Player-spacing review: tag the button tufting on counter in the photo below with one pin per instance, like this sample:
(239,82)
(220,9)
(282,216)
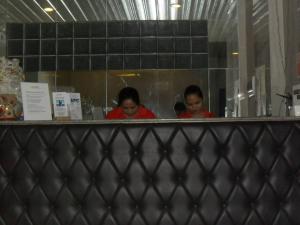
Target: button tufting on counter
(179,179)
(153,187)
(106,152)
(51,152)
(122,180)
(52,205)
(251,146)
(195,148)
(252,204)
(93,179)
(222,147)
(267,174)
(281,203)
(279,149)
(150,179)
(222,152)
(297,176)
(65,178)
(252,153)
(209,178)
(166,207)
(10,179)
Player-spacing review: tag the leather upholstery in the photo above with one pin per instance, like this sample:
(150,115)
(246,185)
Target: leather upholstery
(150,174)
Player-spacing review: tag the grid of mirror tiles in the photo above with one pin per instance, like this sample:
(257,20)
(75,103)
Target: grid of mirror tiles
(109,45)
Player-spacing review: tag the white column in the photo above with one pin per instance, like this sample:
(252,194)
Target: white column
(246,53)
(282,32)
(2,42)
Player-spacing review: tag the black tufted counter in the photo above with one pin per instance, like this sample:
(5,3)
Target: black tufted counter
(210,172)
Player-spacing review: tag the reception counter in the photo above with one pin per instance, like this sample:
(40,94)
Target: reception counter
(180,172)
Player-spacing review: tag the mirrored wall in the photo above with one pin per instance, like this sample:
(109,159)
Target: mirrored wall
(97,47)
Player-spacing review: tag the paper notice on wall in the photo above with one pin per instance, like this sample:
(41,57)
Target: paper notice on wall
(61,102)
(36,101)
(75,106)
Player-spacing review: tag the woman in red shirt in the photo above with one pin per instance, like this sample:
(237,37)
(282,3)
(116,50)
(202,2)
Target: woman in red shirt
(194,99)
(129,106)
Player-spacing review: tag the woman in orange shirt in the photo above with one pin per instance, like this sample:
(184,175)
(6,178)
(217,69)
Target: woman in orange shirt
(129,106)
(194,99)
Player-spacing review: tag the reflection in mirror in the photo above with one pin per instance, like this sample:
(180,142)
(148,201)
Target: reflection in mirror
(158,33)
(159,89)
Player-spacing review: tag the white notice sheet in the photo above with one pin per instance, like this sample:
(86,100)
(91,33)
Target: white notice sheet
(36,101)
(75,106)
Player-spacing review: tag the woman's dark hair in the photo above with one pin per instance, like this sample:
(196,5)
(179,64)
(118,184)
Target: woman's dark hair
(179,108)
(193,90)
(128,93)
